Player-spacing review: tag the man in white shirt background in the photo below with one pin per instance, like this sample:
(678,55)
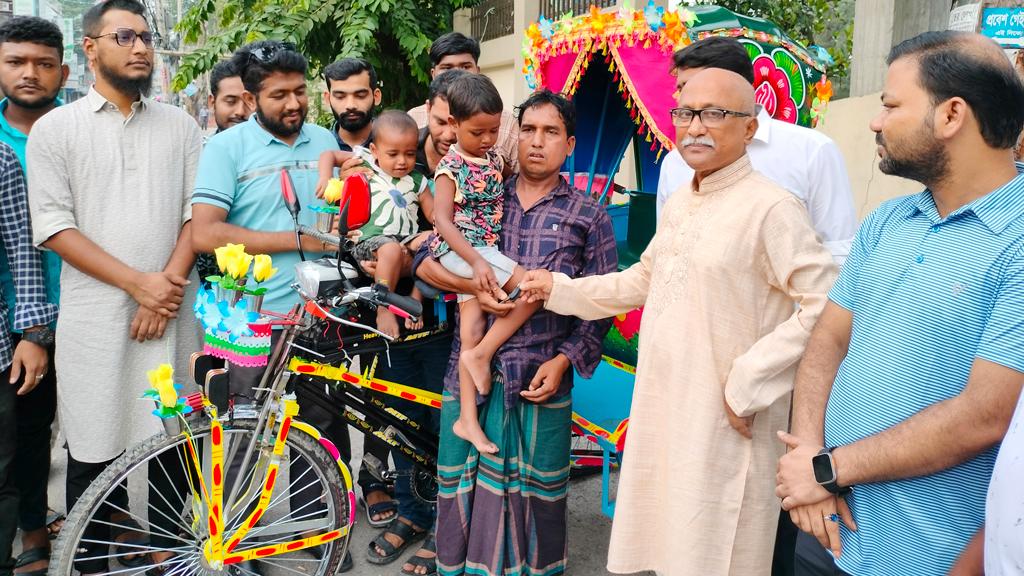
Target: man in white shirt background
(803,161)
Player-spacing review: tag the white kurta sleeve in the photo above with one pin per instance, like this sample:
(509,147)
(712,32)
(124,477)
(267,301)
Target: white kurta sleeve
(193,150)
(796,263)
(595,297)
(830,201)
(50,202)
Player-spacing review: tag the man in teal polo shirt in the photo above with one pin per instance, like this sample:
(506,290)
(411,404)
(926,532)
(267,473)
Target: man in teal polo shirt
(237,196)
(32,73)
(911,375)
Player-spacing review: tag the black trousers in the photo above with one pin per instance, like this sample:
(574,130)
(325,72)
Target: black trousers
(421,366)
(166,481)
(785,546)
(8,490)
(36,411)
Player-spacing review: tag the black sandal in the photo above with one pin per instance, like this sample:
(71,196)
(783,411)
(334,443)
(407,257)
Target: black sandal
(129,546)
(32,556)
(407,533)
(430,545)
(54,522)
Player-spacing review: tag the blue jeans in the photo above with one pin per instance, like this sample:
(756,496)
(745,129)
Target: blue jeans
(421,365)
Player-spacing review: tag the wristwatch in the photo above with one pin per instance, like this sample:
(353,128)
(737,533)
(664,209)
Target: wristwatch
(825,472)
(41,335)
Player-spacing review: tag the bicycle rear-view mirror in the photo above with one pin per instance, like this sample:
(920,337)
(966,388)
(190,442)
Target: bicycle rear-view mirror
(354,203)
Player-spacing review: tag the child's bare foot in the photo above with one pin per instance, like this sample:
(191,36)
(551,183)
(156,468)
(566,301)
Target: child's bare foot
(479,368)
(418,324)
(387,322)
(472,432)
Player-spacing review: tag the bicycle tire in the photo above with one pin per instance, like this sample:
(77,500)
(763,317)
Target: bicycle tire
(338,489)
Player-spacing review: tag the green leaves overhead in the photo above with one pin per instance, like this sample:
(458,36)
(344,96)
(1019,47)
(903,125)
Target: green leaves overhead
(393,35)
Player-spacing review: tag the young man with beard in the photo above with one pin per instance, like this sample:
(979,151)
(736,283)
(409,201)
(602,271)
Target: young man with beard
(456,51)
(227,101)
(110,177)
(31,75)
(910,378)
(237,195)
(438,135)
(352,94)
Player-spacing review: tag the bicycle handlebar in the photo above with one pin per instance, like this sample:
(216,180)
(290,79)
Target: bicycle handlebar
(325,238)
(410,306)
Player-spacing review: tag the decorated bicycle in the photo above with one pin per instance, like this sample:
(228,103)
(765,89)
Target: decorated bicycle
(616,65)
(229,483)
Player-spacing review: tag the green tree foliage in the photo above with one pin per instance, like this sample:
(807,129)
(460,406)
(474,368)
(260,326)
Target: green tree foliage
(393,35)
(827,23)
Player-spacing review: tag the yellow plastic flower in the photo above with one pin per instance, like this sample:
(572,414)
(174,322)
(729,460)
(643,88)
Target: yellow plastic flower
(225,254)
(262,268)
(162,380)
(333,191)
(238,265)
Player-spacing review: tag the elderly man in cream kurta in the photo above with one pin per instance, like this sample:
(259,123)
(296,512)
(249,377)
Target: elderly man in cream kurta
(732,284)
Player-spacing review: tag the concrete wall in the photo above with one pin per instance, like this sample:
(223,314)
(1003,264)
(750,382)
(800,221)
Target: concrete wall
(847,123)
(881,24)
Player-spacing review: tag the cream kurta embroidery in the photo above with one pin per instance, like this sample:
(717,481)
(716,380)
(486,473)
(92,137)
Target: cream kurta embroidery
(719,281)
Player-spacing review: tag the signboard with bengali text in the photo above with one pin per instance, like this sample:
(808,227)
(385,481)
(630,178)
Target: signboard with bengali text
(1004,25)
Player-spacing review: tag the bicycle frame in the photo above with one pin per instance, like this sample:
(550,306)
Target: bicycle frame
(400,432)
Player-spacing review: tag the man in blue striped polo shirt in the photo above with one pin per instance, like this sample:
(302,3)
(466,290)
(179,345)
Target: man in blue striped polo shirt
(913,371)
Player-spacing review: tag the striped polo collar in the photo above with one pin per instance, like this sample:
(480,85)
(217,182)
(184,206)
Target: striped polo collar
(996,210)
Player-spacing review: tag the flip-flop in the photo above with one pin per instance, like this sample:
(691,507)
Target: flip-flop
(53,517)
(391,552)
(419,562)
(379,509)
(128,526)
(31,556)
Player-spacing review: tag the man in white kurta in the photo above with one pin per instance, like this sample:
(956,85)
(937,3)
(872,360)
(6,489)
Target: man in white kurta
(110,178)
(735,267)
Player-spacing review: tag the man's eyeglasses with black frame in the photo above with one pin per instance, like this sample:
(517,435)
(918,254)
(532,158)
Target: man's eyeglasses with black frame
(708,116)
(126,37)
(266,54)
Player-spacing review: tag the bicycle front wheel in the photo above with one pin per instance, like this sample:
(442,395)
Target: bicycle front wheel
(147,512)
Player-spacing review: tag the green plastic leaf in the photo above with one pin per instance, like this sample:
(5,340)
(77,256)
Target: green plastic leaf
(795,72)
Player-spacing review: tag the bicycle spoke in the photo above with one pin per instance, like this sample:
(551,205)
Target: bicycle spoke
(142,569)
(133,529)
(269,560)
(291,513)
(135,552)
(178,522)
(197,511)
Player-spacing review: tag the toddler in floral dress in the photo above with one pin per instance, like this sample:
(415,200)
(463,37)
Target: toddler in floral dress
(468,202)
